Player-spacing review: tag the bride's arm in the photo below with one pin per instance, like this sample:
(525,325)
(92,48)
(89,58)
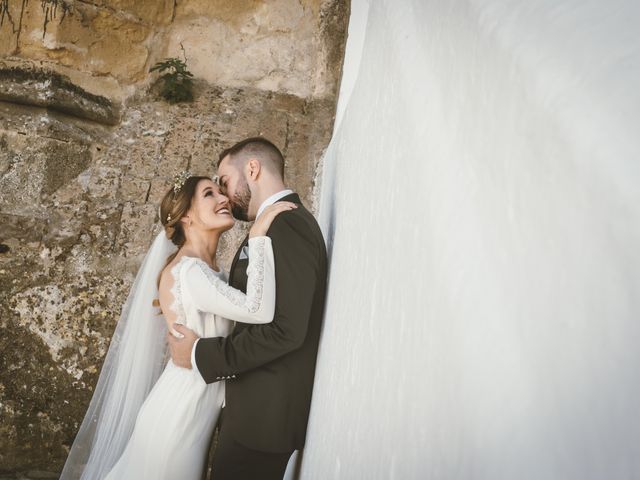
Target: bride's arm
(210,293)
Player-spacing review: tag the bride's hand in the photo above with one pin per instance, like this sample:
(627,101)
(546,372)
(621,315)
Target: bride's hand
(263,222)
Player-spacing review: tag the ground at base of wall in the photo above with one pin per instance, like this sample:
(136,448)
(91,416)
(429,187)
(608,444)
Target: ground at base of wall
(30,475)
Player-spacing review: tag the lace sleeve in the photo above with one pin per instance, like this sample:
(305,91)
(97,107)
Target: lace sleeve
(211,294)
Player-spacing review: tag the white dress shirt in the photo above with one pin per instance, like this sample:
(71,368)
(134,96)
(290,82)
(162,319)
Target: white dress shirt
(273,199)
(269,201)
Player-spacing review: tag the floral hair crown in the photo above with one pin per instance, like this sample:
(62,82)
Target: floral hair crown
(180,179)
(178,182)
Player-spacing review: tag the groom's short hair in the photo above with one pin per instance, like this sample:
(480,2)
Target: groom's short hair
(269,155)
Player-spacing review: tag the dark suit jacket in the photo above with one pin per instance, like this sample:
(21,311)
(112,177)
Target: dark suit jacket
(267,402)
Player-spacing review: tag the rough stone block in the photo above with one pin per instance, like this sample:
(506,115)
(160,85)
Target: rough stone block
(46,88)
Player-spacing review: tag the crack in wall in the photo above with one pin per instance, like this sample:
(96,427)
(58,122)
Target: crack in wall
(17,49)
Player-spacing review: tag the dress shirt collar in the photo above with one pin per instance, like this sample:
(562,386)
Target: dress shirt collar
(273,199)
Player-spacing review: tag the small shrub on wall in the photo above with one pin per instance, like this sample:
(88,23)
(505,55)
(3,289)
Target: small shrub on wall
(176,83)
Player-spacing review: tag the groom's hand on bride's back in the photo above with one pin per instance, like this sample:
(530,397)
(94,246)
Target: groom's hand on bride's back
(181,347)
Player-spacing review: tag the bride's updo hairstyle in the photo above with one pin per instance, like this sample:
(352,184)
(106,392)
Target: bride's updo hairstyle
(175,205)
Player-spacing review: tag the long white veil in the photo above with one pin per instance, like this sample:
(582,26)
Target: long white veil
(133,364)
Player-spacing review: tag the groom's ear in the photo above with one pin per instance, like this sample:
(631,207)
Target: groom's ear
(253,169)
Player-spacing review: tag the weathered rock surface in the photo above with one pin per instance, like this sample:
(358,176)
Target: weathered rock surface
(280,45)
(292,46)
(87,150)
(29,85)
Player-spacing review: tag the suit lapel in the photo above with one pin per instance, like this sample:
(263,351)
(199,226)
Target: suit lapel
(235,259)
(292,197)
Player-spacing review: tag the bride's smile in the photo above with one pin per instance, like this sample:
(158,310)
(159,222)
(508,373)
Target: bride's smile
(209,209)
(223,210)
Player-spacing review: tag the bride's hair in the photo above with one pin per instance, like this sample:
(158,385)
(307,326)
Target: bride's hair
(175,205)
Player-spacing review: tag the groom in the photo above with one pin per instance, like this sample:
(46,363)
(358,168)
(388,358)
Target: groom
(268,368)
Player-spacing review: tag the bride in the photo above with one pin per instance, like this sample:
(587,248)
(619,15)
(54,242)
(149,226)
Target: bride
(147,420)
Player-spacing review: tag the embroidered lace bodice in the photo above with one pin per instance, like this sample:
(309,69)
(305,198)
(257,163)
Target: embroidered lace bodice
(204,302)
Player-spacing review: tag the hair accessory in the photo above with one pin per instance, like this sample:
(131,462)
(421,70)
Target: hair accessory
(179,179)
(168,218)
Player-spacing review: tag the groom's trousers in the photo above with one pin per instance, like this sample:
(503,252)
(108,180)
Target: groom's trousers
(232,461)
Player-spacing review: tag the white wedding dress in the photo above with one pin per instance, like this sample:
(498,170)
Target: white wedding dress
(174,425)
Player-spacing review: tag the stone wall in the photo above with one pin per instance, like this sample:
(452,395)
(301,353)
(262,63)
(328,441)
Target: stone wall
(289,46)
(87,149)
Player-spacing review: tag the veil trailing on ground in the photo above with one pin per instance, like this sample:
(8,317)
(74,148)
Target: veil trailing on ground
(133,363)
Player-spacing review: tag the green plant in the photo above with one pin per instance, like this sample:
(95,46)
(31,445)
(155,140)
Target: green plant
(177,85)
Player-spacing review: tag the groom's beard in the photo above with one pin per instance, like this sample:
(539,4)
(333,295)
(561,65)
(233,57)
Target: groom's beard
(240,203)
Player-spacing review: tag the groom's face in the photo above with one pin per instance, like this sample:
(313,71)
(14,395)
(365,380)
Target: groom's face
(234,185)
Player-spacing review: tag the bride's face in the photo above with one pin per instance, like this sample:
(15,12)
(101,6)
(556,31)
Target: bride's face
(210,209)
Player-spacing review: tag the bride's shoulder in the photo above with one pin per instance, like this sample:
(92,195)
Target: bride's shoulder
(169,272)
(187,266)
(196,269)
